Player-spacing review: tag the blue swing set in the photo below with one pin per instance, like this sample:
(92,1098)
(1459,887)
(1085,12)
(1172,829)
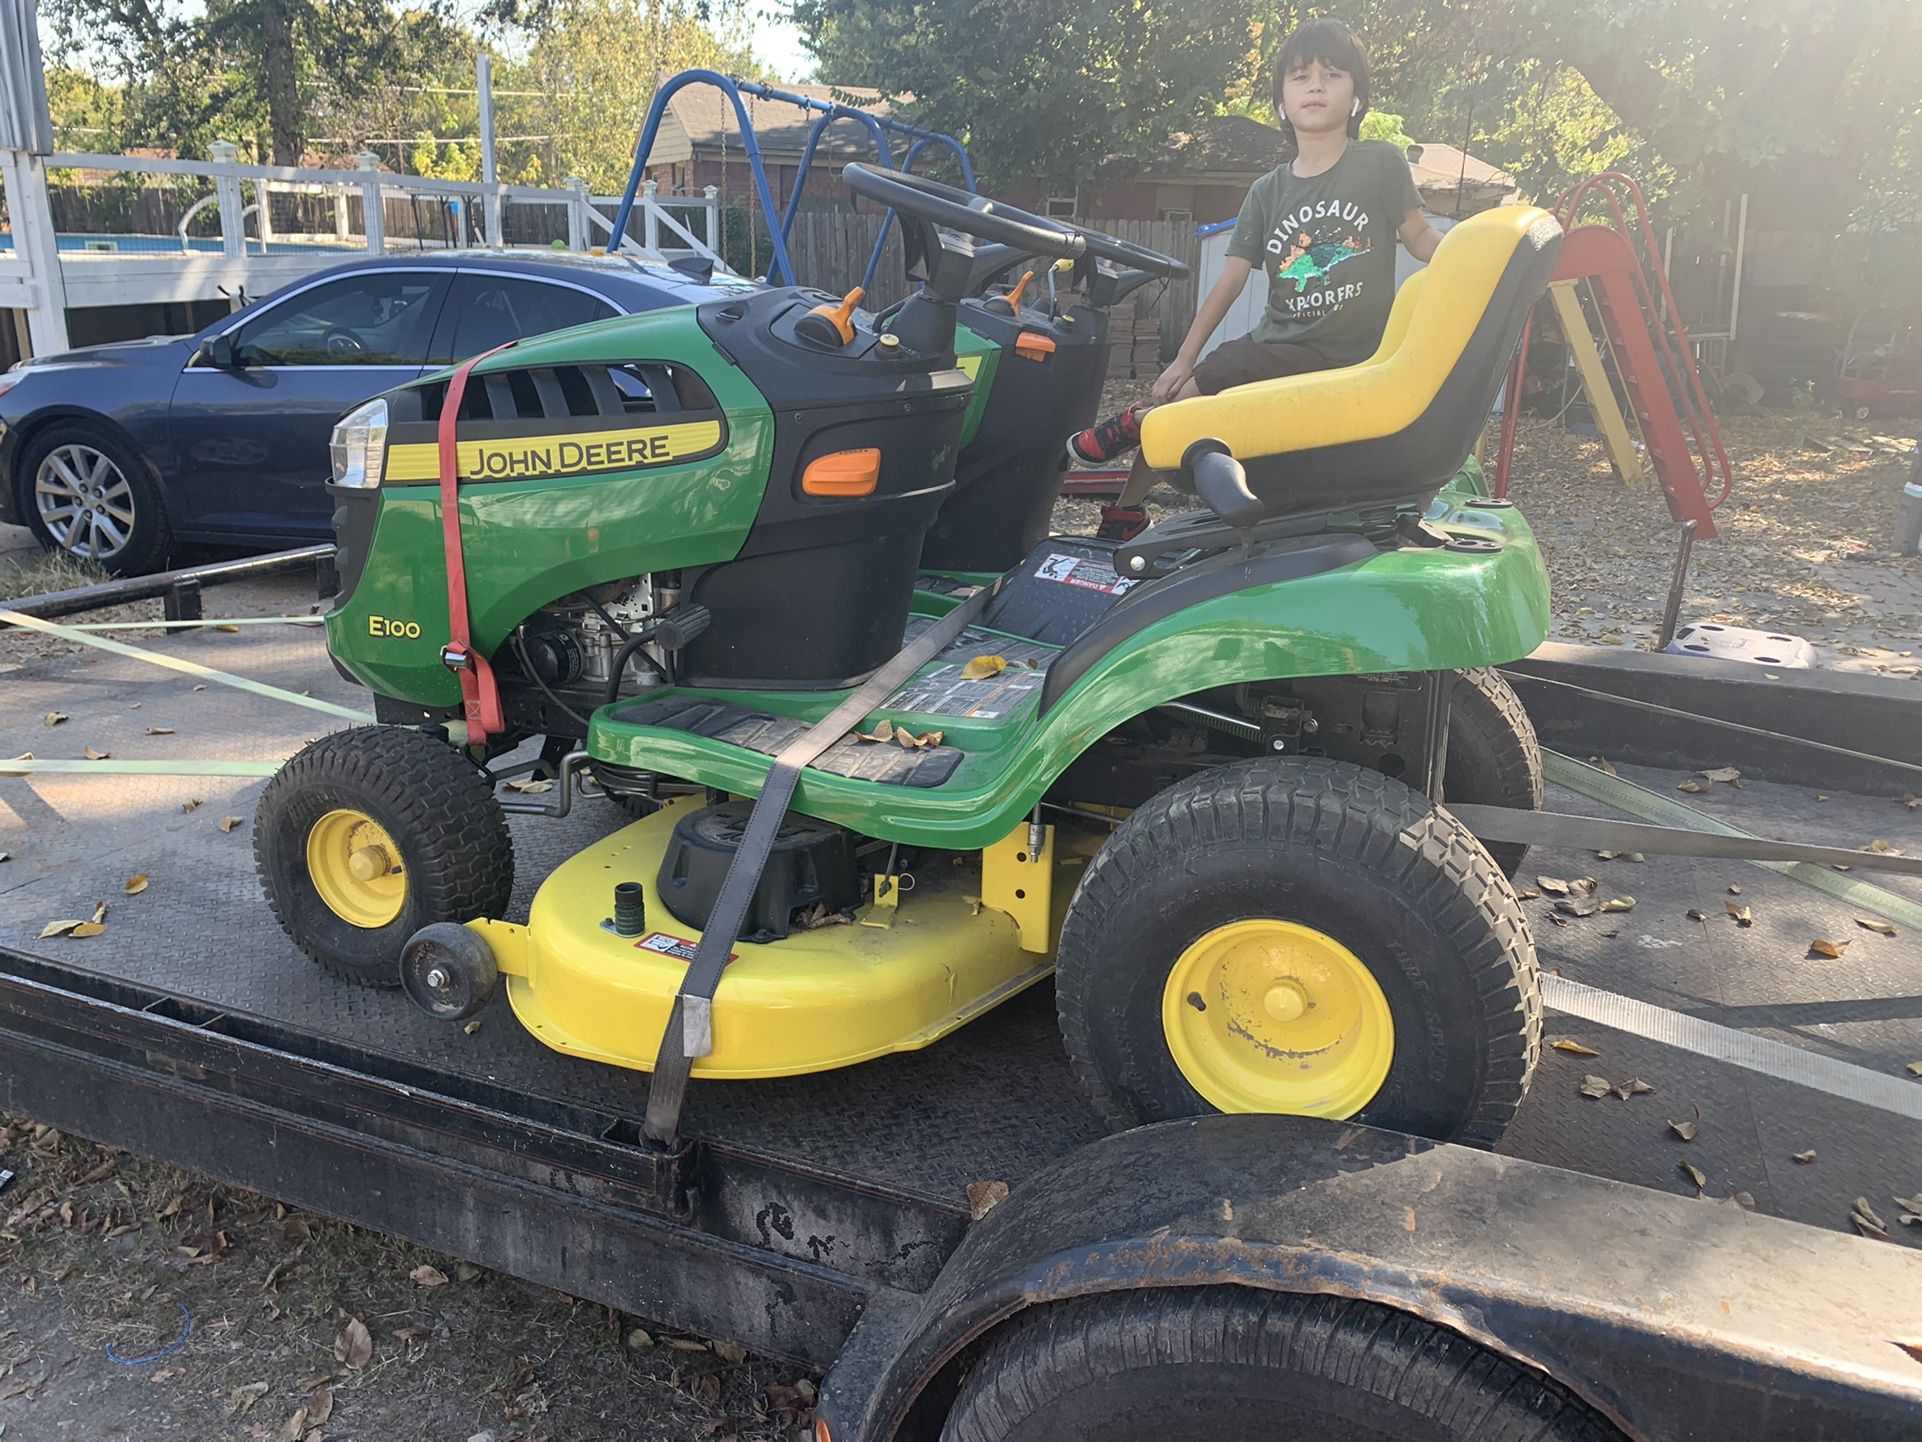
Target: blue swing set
(881,130)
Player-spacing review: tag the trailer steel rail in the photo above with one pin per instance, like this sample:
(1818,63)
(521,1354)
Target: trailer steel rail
(1673,1319)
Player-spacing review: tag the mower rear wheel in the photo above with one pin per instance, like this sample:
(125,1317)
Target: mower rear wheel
(1303,936)
(1494,758)
(372,833)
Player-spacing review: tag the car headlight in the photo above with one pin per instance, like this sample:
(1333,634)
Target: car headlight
(359,445)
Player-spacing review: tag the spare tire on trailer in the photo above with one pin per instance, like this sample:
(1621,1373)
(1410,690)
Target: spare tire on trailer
(1231,1362)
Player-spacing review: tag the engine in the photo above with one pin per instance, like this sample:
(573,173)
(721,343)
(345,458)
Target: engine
(565,653)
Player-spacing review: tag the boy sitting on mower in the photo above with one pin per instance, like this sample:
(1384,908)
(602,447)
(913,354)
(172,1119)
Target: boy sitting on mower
(1319,225)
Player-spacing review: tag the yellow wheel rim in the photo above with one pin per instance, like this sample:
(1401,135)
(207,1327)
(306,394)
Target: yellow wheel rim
(356,868)
(1273,1016)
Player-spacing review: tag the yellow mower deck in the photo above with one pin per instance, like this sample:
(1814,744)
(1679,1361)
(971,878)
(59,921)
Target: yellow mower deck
(972,932)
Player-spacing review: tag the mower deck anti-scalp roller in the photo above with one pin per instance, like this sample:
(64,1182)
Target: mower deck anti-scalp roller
(774,570)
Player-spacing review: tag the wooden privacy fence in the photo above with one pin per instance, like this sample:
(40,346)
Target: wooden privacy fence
(830,249)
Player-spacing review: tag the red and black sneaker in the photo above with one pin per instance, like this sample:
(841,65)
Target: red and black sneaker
(1121,523)
(1114,437)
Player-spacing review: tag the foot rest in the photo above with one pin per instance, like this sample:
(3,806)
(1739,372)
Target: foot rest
(877,761)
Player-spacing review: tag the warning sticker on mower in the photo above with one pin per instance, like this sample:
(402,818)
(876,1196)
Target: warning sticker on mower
(946,688)
(515,458)
(1088,572)
(678,947)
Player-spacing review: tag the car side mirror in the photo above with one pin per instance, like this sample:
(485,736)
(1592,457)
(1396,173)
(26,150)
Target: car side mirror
(219,352)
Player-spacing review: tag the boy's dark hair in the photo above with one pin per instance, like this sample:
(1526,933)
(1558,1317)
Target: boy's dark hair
(1334,45)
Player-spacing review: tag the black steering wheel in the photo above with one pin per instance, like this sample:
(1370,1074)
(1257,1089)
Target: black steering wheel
(927,207)
(1135,257)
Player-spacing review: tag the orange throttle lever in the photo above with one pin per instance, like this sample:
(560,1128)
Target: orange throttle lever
(831,324)
(1013,297)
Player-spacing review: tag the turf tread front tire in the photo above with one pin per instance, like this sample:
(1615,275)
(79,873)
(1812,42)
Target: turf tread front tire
(1102,1366)
(1314,823)
(438,807)
(1494,756)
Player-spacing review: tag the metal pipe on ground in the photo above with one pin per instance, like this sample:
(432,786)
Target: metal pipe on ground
(167,584)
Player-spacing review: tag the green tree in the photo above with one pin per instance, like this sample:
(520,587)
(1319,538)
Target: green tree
(1055,90)
(1794,100)
(592,66)
(190,75)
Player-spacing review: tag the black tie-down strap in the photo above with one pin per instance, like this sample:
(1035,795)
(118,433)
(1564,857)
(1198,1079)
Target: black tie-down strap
(690,1033)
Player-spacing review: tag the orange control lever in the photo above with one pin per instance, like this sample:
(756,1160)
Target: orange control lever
(841,316)
(1013,297)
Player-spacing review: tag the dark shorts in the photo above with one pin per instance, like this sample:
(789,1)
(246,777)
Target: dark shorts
(1246,360)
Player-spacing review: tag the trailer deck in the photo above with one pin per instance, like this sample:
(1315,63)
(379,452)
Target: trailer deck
(996,1101)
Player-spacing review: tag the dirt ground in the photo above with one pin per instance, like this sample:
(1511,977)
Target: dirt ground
(301,1329)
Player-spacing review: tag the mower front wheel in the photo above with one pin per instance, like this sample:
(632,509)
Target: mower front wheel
(1303,936)
(372,833)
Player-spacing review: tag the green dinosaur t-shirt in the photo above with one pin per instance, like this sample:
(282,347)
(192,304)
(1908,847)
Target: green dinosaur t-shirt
(1327,245)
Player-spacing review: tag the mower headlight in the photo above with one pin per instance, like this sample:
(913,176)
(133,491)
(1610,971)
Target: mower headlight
(359,445)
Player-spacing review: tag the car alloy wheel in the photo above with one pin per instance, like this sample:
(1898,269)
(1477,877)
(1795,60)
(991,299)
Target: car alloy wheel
(84,502)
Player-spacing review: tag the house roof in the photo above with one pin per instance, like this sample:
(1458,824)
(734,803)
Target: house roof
(709,120)
(1238,145)
(1443,167)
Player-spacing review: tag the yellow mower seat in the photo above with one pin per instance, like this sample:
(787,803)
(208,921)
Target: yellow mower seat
(1398,425)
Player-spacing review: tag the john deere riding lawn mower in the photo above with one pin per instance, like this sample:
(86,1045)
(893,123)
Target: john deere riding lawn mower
(1196,775)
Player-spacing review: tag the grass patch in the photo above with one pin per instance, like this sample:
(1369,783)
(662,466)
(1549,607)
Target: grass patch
(48,571)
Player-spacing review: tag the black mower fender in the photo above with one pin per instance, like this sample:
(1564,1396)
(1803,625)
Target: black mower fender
(1673,1317)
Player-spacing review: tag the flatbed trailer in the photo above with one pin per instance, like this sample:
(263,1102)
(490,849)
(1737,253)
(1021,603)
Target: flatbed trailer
(840,1221)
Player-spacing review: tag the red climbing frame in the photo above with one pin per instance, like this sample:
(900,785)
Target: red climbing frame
(1623,268)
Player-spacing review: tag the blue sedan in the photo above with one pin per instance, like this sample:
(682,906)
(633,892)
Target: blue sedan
(117,453)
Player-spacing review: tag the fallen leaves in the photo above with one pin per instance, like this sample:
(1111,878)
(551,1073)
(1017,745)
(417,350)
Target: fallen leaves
(1595,1087)
(1803,1157)
(1914,1068)
(77,926)
(984,1197)
(191,803)
(354,1347)
(160,730)
(134,885)
(640,1338)
(93,754)
(1867,1222)
(1619,903)
(426,1275)
(54,718)
(1881,848)
(1695,786)
(907,740)
(242,1399)
(1725,774)
(982,667)
(1911,1213)
(227,823)
(1741,915)
(1831,950)
(1621,856)
(1695,1174)
(531,785)
(1573,1047)
(1688,1130)
(1876,924)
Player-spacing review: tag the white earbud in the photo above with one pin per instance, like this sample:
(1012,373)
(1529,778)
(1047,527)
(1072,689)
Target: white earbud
(1357,109)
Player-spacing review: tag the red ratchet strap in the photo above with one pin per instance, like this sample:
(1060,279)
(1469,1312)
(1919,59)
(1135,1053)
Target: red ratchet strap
(480,696)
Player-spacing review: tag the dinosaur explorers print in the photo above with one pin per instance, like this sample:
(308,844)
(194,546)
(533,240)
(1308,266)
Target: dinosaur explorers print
(1327,245)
